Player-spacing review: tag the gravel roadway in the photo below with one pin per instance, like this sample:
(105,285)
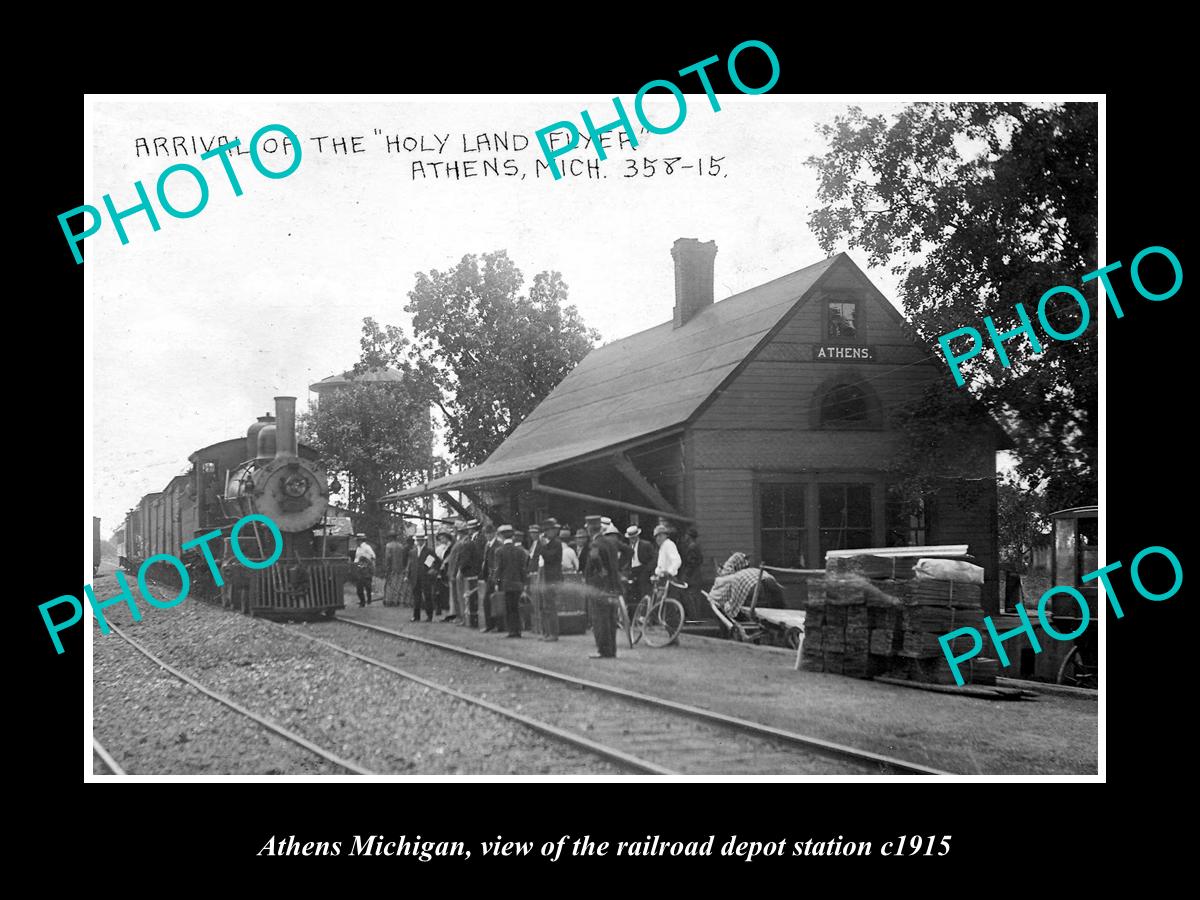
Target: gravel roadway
(365,715)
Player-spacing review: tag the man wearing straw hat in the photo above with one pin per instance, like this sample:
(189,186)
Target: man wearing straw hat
(601,571)
(421,560)
(637,564)
(469,564)
(453,565)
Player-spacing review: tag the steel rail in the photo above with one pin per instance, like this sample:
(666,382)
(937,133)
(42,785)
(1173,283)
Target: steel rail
(106,757)
(237,707)
(829,748)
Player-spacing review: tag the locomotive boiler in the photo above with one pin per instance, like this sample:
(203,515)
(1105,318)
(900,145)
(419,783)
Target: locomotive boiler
(266,473)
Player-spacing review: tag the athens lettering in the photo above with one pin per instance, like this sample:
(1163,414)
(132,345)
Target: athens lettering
(1026,627)
(596,136)
(222,152)
(185,581)
(998,338)
(835,351)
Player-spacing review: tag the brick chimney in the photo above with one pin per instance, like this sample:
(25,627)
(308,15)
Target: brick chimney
(693,277)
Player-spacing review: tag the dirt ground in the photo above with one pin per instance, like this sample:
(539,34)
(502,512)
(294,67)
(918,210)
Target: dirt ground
(1054,734)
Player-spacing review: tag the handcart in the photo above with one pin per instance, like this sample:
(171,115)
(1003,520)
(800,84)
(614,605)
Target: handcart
(751,624)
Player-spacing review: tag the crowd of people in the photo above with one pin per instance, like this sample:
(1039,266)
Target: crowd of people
(481,576)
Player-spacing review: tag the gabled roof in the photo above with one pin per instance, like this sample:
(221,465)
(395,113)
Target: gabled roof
(643,384)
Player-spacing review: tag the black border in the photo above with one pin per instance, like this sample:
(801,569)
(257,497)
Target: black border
(1147,397)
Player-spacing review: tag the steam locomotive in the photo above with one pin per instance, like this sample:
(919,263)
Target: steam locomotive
(266,472)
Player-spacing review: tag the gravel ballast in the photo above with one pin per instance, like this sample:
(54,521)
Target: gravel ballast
(152,723)
(359,712)
(675,742)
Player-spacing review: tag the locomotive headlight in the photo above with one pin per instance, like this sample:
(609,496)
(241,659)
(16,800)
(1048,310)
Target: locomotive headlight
(295,486)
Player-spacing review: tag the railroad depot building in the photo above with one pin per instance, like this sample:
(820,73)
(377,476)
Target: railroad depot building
(763,420)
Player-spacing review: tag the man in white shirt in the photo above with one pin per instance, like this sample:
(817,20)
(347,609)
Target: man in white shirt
(570,559)
(669,560)
(364,559)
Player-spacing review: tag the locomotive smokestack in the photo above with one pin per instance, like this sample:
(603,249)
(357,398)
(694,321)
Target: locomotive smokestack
(285,427)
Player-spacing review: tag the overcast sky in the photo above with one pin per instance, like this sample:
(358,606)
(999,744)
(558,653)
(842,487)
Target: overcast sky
(199,325)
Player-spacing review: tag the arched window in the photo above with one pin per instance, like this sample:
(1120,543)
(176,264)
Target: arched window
(844,405)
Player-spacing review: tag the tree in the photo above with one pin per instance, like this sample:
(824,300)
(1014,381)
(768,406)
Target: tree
(978,206)
(941,446)
(379,433)
(1022,515)
(491,352)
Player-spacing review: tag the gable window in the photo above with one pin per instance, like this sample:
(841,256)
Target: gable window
(844,515)
(783,536)
(843,321)
(844,405)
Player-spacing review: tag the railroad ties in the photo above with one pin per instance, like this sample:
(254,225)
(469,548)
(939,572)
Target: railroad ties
(645,733)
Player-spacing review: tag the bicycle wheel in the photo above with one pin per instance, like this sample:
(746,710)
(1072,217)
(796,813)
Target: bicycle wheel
(623,621)
(664,623)
(638,625)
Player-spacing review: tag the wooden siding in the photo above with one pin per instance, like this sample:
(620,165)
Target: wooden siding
(776,388)
(764,425)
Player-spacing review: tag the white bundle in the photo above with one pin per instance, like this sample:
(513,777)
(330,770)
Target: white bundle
(948,570)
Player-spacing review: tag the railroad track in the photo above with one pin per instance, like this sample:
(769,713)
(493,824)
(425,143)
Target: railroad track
(106,760)
(262,721)
(645,733)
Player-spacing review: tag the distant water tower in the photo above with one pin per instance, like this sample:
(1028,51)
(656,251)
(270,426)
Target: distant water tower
(378,375)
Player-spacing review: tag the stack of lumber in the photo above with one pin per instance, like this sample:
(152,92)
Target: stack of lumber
(932,609)
(850,627)
(876,616)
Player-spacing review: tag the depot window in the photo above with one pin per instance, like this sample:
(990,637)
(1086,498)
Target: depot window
(906,519)
(844,406)
(783,534)
(844,516)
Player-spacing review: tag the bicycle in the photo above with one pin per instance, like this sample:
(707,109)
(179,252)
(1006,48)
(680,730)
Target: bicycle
(623,621)
(658,618)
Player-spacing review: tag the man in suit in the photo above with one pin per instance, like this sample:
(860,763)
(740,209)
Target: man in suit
(601,571)
(453,564)
(393,569)
(422,565)
(512,565)
(489,579)
(552,576)
(469,563)
(637,565)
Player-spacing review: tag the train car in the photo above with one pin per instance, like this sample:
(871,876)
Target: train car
(269,473)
